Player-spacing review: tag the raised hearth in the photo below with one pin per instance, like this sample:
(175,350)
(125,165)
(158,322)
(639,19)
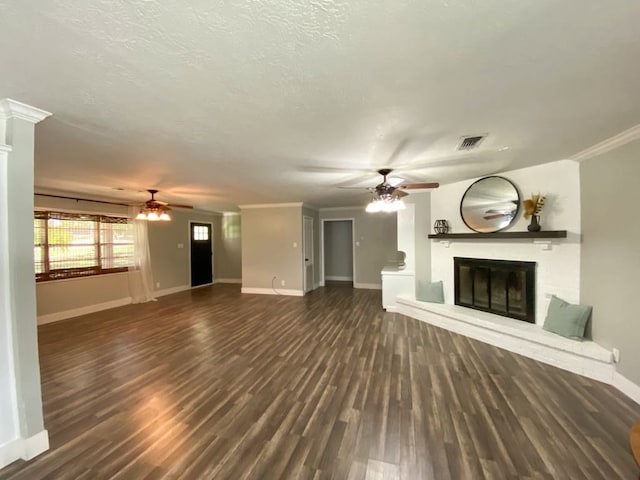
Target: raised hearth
(503,287)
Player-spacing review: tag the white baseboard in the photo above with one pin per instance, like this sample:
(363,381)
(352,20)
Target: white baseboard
(338,278)
(270,291)
(227,280)
(368,286)
(627,387)
(76,312)
(24,448)
(169,291)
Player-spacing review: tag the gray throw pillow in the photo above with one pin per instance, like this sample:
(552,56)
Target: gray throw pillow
(430,291)
(567,319)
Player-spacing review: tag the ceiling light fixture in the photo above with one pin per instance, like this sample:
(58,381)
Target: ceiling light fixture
(154,214)
(385,203)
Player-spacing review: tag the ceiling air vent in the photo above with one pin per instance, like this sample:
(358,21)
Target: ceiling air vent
(471,142)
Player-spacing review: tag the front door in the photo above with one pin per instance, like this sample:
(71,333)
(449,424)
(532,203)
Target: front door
(201,254)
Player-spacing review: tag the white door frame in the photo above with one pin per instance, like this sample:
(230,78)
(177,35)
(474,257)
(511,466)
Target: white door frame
(353,246)
(213,276)
(305,288)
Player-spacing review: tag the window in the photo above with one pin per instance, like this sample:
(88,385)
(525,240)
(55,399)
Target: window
(68,245)
(200,232)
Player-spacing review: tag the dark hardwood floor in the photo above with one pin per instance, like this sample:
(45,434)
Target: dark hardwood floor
(212,384)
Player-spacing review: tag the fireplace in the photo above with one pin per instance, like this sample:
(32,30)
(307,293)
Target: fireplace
(503,287)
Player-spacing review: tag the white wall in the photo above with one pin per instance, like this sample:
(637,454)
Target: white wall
(272,247)
(558,269)
(610,252)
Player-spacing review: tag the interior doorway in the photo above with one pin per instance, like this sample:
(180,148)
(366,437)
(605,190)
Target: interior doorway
(307,244)
(201,253)
(338,266)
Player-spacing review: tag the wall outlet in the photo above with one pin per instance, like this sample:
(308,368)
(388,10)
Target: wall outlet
(181,245)
(282,283)
(157,284)
(616,355)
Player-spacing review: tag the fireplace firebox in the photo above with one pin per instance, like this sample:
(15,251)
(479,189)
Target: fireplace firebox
(503,287)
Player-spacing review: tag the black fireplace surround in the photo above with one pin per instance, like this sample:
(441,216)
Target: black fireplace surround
(503,287)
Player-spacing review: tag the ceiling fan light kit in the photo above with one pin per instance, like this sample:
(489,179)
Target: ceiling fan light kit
(387,196)
(154,214)
(154,210)
(392,204)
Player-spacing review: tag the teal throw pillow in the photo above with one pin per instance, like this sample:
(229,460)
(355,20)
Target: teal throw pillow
(430,291)
(567,319)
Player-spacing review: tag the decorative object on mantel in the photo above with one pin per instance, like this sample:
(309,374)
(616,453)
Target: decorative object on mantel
(532,208)
(441,227)
(490,204)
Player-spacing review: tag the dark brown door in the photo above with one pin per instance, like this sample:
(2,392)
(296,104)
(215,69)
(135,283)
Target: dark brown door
(201,253)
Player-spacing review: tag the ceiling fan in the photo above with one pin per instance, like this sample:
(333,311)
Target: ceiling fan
(155,210)
(387,196)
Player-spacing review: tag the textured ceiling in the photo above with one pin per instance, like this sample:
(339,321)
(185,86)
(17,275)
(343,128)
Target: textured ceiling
(239,102)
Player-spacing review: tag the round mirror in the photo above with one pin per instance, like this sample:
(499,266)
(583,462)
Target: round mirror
(490,204)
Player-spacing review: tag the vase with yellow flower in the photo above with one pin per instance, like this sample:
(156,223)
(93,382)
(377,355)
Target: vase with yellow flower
(532,208)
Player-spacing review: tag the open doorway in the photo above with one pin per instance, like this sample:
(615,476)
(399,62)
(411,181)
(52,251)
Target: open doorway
(307,244)
(337,252)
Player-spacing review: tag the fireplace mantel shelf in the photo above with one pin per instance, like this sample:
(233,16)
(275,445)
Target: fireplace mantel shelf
(500,235)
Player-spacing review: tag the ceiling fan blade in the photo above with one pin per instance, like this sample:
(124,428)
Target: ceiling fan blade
(177,205)
(410,186)
(400,193)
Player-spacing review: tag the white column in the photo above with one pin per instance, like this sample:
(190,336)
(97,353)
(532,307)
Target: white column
(22,433)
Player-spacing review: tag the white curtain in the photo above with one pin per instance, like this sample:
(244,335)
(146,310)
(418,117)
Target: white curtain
(140,275)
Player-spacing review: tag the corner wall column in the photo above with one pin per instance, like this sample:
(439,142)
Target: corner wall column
(22,433)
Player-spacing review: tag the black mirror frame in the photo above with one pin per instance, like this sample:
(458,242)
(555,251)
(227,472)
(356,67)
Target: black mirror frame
(515,215)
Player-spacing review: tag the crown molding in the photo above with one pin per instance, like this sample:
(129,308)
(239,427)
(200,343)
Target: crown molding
(609,144)
(230,214)
(14,109)
(271,205)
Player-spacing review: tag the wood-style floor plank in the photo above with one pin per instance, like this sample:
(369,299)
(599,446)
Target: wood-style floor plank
(212,384)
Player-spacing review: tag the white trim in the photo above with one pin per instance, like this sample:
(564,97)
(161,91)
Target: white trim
(336,209)
(609,144)
(14,109)
(231,214)
(271,205)
(76,312)
(172,290)
(368,286)
(227,280)
(5,148)
(6,310)
(627,387)
(271,291)
(584,358)
(24,448)
(305,218)
(338,278)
